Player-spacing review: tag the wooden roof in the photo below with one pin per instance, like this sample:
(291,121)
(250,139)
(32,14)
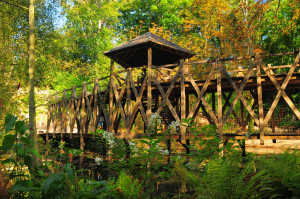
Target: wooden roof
(135,52)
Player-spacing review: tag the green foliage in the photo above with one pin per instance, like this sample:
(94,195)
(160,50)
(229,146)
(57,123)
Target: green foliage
(226,178)
(66,184)
(125,187)
(284,172)
(166,14)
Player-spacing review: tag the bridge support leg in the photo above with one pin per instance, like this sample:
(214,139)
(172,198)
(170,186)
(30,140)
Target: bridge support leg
(149,88)
(260,106)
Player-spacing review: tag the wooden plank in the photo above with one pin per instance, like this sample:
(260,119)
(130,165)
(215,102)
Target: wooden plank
(149,88)
(182,103)
(260,105)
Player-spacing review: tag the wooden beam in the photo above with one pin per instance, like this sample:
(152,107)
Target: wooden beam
(48,125)
(82,115)
(149,88)
(281,91)
(103,104)
(95,107)
(260,105)
(138,97)
(73,110)
(118,104)
(56,109)
(239,93)
(166,100)
(111,97)
(182,102)
(219,94)
(200,96)
(128,105)
(118,101)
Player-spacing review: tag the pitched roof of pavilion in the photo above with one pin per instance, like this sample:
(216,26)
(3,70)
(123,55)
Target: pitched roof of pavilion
(135,52)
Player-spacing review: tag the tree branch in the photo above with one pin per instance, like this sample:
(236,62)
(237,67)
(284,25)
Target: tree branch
(14,4)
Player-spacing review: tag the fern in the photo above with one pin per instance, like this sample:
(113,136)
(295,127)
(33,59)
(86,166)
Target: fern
(127,187)
(284,172)
(225,178)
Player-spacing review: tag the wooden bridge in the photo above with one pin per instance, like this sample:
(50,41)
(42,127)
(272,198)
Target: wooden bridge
(156,77)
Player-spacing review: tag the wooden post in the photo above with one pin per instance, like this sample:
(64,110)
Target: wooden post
(56,109)
(182,103)
(64,115)
(128,128)
(48,127)
(219,94)
(73,111)
(82,124)
(149,89)
(260,105)
(95,107)
(111,97)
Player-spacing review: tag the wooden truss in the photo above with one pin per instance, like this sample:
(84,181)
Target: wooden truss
(124,98)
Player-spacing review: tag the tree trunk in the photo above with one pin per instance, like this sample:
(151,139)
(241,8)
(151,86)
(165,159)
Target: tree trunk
(32,114)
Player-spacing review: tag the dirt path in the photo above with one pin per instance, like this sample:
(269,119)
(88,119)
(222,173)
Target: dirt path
(253,146)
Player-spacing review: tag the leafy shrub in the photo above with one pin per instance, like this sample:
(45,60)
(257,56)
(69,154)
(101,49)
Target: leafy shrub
(284,174)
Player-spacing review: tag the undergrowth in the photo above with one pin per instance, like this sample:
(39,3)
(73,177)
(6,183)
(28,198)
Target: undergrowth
(211,170)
